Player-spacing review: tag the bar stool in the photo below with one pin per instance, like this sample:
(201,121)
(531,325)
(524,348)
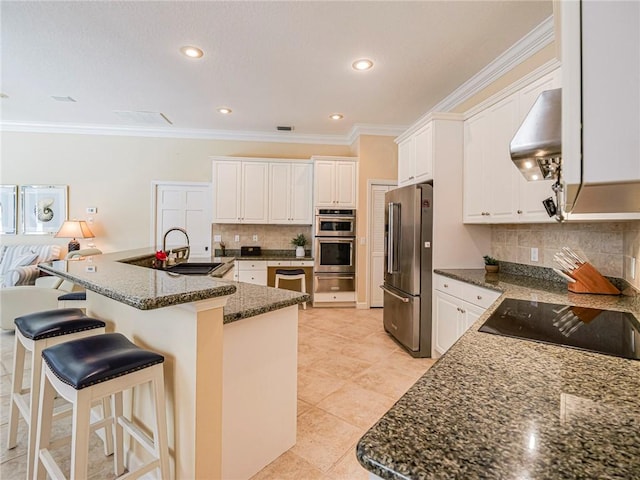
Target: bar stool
(34,333)
(85,370)
(77,299)
(293,274)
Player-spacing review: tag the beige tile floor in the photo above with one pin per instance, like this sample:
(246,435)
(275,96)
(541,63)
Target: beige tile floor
(349,374)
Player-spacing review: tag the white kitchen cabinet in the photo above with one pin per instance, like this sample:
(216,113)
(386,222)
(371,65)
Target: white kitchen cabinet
(252,271)
(415,157)
(240,192)
(335,182)
(290,191)
(494,190)
(457,305)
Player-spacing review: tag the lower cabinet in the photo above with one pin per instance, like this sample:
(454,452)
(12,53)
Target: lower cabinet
(457,305)
(262,272)
(252,271)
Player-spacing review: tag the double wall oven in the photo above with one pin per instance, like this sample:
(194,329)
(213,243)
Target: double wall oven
(335,251)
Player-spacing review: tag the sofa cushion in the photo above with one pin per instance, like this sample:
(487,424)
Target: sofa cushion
(26,275)
(12,255)
(24,260)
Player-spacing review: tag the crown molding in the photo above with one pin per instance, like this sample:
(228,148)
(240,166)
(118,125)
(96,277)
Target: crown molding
(370,129)
(28,127)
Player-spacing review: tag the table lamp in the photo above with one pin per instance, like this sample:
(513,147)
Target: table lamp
(74,229)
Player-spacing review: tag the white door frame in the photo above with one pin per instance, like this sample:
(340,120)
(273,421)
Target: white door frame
(154,197)
(370,183)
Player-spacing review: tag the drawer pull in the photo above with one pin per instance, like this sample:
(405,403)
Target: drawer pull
(446,285)
(479,297)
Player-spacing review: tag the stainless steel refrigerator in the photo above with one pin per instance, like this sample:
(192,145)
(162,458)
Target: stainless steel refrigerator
(408,264)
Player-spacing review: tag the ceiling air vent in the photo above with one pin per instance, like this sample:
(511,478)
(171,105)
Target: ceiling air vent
(143,118)
(63,99)
(284,128)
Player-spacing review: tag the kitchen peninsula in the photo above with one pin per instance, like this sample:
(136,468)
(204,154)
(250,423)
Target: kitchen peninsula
(230,358)
(501,407)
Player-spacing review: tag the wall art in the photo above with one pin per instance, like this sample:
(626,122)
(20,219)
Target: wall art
(8,209)
(44,208)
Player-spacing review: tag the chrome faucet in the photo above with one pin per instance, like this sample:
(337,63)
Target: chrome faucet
(164,240)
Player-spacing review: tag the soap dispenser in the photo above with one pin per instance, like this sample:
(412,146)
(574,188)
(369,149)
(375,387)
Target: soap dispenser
(171,259)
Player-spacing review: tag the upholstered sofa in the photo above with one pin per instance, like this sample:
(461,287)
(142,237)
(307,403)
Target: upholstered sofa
(18,263)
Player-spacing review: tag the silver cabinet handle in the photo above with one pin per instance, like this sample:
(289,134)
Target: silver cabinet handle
(404,299)
(462,310)
(479,297)
(519,211)
(446,285)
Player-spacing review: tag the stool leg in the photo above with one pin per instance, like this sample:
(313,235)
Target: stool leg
(277,281)
(34,396)
(108,437)
(45,420)
(16,389)
(80,435)
(160,433)
(118,453)
(304,290)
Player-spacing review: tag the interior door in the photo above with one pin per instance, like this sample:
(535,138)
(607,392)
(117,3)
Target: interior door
(376,244)
(186,206)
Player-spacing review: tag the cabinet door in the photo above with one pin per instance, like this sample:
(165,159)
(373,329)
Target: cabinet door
(255,200)
(345,191)
(301,203)
(448,317)
(501,177)
(424,154)
(471,313)
(279,193)
(226,186)
(476,131)
(325,180)
(406,161)
(258,277)
(531,194)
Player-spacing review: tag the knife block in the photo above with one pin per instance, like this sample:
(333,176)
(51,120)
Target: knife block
(589,280)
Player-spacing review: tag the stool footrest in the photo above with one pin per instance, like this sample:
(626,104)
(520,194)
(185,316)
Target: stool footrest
(149,467)
(53,470)
(141,437)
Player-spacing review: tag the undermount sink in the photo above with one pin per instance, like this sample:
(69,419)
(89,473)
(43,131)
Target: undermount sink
(195,268)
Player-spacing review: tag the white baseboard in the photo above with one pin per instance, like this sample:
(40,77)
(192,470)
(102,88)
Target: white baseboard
(362,305)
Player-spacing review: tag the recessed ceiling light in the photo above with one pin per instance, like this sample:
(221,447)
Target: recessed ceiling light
(362,64)
(4,95)
(224,110)
(193,52)
(336,116)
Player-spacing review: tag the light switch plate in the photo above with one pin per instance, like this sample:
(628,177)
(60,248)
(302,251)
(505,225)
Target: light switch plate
(255,238)
(92,210)
(217,238)
(534,254)
(236,238)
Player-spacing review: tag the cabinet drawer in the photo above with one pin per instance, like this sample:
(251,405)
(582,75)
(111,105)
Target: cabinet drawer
(479,296)
(244,265)
(448,285)
(334,297)
(302,263)
(253,276)
(279,263)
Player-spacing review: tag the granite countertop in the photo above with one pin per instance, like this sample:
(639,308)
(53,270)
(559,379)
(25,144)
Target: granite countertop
(146,288)
(505,408)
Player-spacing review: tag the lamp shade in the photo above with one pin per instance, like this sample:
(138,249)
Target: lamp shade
(75,229)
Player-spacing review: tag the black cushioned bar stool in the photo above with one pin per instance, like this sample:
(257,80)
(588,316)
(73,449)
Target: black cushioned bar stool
(34,333)
(293,274)
(83,371)
(73,299)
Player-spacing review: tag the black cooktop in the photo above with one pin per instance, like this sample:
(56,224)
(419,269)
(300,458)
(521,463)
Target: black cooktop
(601,331)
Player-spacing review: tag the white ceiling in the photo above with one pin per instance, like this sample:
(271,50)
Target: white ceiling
(273,63)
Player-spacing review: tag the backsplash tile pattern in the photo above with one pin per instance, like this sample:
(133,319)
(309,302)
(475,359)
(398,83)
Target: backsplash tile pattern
(609,246)
(270,237)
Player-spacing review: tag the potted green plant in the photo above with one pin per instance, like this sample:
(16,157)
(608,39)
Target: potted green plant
(490,264)
(299,241)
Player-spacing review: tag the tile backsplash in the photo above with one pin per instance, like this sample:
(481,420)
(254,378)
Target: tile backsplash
(270,237)
(609,246)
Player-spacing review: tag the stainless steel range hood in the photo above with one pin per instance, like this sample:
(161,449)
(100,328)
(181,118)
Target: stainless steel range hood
(536,147)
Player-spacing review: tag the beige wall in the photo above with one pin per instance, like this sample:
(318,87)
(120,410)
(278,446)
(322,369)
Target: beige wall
(114,174)
(609,246)
(378,161)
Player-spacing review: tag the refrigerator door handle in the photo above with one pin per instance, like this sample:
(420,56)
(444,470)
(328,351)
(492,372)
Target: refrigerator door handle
(391,240)
(404,299)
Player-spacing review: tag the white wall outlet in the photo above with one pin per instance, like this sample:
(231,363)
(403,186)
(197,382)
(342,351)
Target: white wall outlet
(632,268)
(534,254)
(92,210)
(236,238)
(217,238)
(89,219)
(90,269)
(255,238)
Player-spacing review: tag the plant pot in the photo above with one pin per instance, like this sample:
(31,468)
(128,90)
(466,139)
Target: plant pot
(491,268)
(300,251)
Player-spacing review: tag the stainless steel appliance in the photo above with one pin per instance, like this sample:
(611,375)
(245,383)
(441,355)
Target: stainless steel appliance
(408,263)
(332,222)
(335,253)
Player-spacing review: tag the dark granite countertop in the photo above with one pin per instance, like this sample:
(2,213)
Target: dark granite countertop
(495,407)
(116,276)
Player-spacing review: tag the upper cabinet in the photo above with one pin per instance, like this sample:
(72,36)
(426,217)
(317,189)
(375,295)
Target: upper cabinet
(261,191)
(494,189)
(415,157)
(335,181)
(290,191)
(600,49)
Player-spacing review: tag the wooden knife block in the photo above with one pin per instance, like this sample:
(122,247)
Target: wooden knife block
(589,280)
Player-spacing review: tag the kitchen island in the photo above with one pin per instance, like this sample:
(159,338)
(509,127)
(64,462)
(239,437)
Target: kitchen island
(230,359)
(506,408)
